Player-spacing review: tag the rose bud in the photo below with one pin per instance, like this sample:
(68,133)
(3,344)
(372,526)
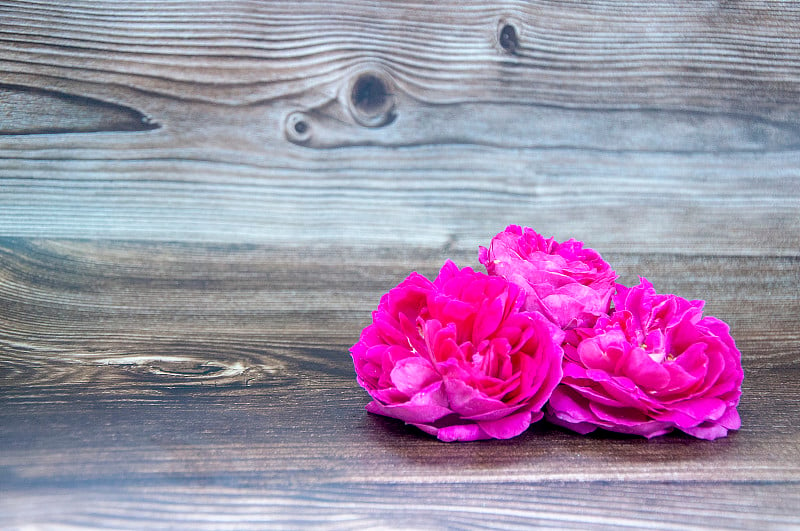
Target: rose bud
(656,364)
(457,357)
(569,284)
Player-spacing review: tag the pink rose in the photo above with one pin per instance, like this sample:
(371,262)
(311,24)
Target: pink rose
(457,357)
(654,365)
(569,284)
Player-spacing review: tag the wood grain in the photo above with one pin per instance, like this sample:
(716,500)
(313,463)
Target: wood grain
(669,128)
(201,203)
(30,111)
(143,380)
(560,505)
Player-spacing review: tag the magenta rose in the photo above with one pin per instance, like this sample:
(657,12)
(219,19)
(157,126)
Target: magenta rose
(569,284)
(654,365)
(457,357)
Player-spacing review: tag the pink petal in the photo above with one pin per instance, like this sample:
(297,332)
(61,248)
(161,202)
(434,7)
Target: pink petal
(487,320)
(410,375)
(510,426)
(468,401)
(595,392)
(456,432)
(646,372)
(579,427)
(618,416)
(691,413)
(427,406)
(623,390)
(448,271)
(594,355)
(564,308)
(646,429)
(730,419)
(680,383)
(708,431)
(570,407)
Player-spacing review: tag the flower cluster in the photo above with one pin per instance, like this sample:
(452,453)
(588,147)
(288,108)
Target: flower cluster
(546,332)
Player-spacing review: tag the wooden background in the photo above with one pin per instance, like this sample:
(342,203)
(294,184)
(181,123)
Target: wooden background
(201,203)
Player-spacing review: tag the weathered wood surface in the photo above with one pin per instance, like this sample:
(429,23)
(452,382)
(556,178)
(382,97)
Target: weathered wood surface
(201,203)
(643,126)
(209,386)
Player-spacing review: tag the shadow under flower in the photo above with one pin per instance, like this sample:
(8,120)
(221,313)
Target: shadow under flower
(546,451)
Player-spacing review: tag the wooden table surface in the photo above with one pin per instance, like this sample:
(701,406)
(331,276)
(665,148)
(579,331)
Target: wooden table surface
(202,202)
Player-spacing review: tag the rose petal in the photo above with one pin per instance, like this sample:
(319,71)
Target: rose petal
(618,416)
(647,429)
(487,320)
(730,419)
(468,401)
(643,370)
(593,354)
(579,427)
(691,413)
(427,406)
(510,426)
(569,406)
(410,375)
(456,432)
(708,431)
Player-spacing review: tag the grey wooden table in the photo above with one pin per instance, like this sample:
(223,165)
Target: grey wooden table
(202,202)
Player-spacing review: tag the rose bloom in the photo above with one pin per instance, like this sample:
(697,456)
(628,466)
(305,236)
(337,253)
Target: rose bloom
(568,283)
(656,364)
(457,357)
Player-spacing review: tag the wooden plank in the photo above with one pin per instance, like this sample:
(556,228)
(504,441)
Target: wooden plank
(582,52)
(564,505)
(321,296)
(201,202)
(30,111)
(669,128)
(142,381)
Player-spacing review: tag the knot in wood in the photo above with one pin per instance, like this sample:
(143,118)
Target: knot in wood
(508,38)
(370,99)
(297,128)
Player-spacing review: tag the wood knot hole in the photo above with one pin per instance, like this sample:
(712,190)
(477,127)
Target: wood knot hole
(371,100)
(508,38)
(298,128)
(369,94)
